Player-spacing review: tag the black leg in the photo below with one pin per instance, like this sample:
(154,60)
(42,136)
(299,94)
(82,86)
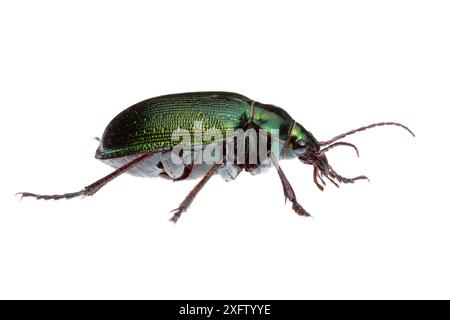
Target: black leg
(191,196)
(288,191)
(97,185)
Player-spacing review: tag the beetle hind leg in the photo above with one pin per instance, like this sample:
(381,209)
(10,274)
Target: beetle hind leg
(94,187)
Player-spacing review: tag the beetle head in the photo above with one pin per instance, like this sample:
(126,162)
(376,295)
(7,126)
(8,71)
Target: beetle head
(307,149)
(302,144)
(312,152)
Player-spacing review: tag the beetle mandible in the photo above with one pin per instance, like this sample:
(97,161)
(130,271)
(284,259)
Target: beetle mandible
(139,140)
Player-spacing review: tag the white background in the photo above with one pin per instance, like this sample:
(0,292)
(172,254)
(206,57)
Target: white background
(66,69)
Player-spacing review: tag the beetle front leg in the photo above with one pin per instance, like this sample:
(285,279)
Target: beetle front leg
(288,190)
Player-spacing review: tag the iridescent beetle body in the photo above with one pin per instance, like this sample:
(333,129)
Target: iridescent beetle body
(149,125)
(139,141)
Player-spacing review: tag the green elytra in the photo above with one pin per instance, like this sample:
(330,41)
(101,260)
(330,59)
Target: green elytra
(149,124)
(142,134)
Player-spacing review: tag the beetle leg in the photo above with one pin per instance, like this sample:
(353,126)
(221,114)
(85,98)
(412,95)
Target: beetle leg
(97,185)
(288,190)
(191,196)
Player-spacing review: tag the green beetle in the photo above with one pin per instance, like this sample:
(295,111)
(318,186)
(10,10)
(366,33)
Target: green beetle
(140,141)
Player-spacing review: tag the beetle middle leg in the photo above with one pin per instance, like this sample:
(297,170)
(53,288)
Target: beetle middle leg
(191,196)
(288,190)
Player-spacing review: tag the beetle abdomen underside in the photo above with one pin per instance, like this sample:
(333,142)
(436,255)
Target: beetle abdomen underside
(162,165)
(150,124)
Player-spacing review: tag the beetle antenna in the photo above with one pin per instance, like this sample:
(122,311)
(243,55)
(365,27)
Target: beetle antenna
(341,143)
(325,143)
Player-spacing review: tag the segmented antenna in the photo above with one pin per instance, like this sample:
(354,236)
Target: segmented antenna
(340,143)
(324,143)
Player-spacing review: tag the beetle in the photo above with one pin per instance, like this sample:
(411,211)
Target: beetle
(139,141)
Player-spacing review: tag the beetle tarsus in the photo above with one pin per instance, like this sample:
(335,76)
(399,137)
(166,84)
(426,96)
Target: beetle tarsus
(177,214)
(53,196)
(300,210)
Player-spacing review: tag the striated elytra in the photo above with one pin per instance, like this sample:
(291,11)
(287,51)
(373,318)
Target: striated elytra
(200,134)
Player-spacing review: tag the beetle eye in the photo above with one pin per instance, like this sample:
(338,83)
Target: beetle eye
(299,147)
(301,144)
